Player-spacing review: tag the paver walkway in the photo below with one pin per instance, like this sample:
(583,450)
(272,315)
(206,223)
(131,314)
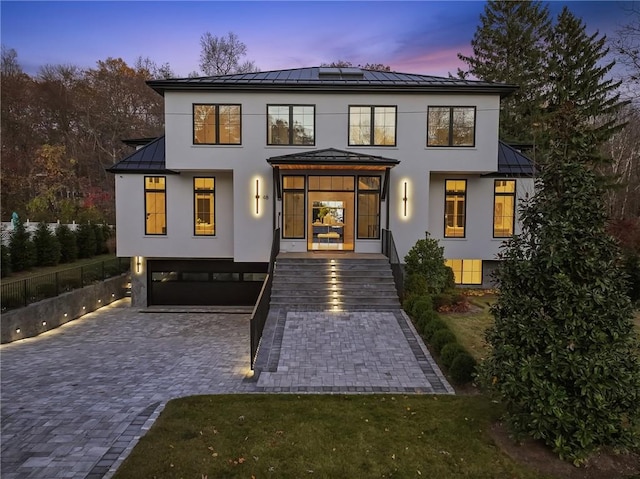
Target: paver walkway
(74,401)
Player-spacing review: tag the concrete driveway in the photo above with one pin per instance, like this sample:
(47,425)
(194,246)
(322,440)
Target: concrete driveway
(75,400)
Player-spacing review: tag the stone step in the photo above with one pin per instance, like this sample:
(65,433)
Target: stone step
(303,279)
(346,288)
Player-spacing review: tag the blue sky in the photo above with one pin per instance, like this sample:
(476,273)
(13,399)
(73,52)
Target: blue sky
(415,36)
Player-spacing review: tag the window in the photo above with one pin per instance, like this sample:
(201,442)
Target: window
(372,126)
(455,208)
(368,207)
(216,124)
(451,126)
(466,271)
(155,205)
(291,124)
(504,208)
(204,207)
(293,206)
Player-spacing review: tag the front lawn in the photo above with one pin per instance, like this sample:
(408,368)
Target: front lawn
(289,436)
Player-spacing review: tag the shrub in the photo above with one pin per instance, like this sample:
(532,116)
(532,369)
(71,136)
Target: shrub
(462,368)
(426,259)
(432,327)
(20,249)
(47,246)
(415,284)
(5,261)
(421,303)
(426,315)
(442,300)
(68,245)
(86,241)
(101,244)
(449,352)
(409,302)
(46,290)
(632,269)
(440,338)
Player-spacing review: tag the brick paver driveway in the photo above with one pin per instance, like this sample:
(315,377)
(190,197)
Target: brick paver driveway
(75,400)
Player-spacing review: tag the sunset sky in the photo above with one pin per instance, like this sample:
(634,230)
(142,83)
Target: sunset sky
(417,36)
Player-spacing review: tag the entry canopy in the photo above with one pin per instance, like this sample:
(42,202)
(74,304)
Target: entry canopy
(331,158)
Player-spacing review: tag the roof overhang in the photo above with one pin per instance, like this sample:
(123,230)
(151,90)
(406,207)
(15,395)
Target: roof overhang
(331,159)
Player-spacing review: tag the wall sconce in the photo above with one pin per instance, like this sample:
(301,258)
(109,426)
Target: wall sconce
(404,199)
(138,263)
(257,197)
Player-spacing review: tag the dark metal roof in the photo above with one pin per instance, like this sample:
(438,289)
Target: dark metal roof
(138,141)
(148,159)
(513,163)
(332,79)
(331,156)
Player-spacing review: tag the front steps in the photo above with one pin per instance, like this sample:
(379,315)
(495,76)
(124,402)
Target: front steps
(334,283)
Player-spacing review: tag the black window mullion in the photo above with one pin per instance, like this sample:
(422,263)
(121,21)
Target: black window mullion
(290,124)
(372,127)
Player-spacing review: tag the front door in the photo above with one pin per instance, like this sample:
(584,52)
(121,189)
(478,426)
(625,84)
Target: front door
(331,215)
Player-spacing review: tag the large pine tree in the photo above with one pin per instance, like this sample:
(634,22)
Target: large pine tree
(509,47)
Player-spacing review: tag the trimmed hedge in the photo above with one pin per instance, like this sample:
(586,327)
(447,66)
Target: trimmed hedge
(432,327)
(441,338)
(449,352)
(463,368)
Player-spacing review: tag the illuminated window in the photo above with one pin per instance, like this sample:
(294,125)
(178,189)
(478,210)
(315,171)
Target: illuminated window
(455,208)
(466,271)
(293,206)
(368,207)
(291,124)
(451,126)
(372,126)
(216,124)
(204,206)
(155,205)
(504,208)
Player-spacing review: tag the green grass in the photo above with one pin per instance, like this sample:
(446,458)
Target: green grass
(54,269)
(289,436)
(470,327)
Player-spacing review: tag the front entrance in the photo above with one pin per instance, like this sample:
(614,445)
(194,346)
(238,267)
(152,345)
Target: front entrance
(330,219)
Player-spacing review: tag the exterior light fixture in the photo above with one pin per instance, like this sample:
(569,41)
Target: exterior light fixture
(257,197)
(65,315)
(404,199)
(113,295)
(17,330)
(138,263)
(84,307)
(44,323)
(99,301)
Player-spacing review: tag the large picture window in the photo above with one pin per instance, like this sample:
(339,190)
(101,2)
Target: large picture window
(455,208)
(466,271)
(216,124)
(293,206)
(204,206)
(372,126)
(368,207)
(504,208)
(155,205)
(451,126)
(291,124)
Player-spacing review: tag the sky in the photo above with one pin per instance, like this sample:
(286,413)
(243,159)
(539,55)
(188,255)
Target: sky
(413,36)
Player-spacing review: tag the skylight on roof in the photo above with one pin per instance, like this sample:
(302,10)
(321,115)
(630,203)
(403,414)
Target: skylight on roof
(344,72)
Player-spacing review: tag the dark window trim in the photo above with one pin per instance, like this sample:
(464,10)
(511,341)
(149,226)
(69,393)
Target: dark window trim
(304,199)
(145,204)
(513,215)
(370,192)
(372,132)
(217,114)
(444,231)
(195,192)
(291,106)
(451,108)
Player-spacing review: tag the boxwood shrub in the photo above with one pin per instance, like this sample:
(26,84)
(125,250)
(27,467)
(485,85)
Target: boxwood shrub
(449,352)
(440,338)
(432,327)
(463,368)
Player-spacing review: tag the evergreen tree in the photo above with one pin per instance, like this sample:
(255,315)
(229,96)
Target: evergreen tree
(564,353)
(21,248)
(68,246)
(98,232)
(47,246)
(5,261)
(510,47)
(578,78)
(86,240)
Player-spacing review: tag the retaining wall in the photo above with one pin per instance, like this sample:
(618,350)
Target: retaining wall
(50,313)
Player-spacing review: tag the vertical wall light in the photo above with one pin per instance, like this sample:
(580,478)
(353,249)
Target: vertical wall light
(138,264)
(404,199)
(257,196)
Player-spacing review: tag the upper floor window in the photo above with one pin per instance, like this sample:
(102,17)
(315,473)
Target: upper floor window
(455,208)
(155,205)
(451,126)
(504,208)
(204,210)
(372,125)
(291,124)
(216,124)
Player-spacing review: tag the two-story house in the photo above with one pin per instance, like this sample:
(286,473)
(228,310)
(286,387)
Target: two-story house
(331,157)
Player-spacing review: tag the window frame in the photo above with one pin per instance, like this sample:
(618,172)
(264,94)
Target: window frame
(377,192)
(146,211)
(195,200)
(291,107)
(464,217)
(372,126)
(451,126)
(217,117)
(304,206)
(496,194)
(462,270)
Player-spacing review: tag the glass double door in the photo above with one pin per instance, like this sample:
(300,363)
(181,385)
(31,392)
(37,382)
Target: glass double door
(330,220)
